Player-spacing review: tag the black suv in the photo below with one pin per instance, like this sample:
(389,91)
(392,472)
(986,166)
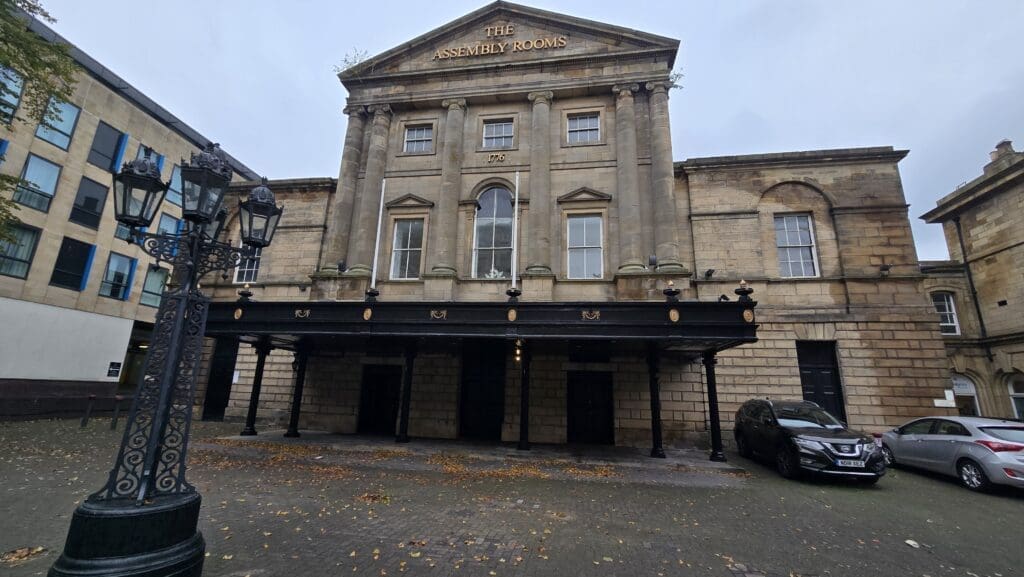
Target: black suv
(801,436)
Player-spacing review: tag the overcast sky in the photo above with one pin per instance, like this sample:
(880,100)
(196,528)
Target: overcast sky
(943,79)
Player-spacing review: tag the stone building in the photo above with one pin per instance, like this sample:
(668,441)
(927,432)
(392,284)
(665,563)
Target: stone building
(535,236)
(979,292)
(77,300)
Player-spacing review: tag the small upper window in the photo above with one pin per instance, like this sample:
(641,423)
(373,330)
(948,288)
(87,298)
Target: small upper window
(10,94)
(42,176)
(794,240)
(59,124)
(107,146)
(407,249)
(173,195)
(249,269)
(117,280)
(88,207)
(419,138)
(71,271)
(948,322)
(16,254)
(492,244)
(585,247)
(498,133)
(584,127)
(153,287)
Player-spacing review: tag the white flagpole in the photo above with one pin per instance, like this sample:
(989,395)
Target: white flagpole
(515,233)
(376,243)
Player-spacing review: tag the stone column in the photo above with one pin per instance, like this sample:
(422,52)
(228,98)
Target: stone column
(442,230)
(360,252)
(666,228)
(627,174)
(539,246)
(340,227)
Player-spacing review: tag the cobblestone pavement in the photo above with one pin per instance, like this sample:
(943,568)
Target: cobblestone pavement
(331,505)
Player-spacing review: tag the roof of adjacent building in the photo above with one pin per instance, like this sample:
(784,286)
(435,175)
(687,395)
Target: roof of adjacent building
(1005,168)
(866,154)
(134,95)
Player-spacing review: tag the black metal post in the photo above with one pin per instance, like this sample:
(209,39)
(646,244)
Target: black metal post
(263,348)
(717,454)
(301,357)
(88,411)
(117,411)
(524,398)
(403,415)
(653,366)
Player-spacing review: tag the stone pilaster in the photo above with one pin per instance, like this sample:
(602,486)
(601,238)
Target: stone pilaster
(539,245)
(360,252)
(340,226)
(631,258)
(666,227)
(442,230)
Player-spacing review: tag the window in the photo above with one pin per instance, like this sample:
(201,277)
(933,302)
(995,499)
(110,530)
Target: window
(794,239)
(249,269)
(584,127)
(419,139)
(107,147)
(73,262)
(407,249)
(16,255)
(121,232)
(586,258)
(948,324)
(88,207)
(42,176)
(153,287)
(492,246)
(58,130)
(1016,385)
(922,427)
(173,195)
(966,396)
(10,94)
(951,428)
(498,133)
(117,280)
(168,225)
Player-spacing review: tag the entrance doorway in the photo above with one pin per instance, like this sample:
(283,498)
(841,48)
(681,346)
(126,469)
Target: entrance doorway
(378,399)
(819,376)
(482,399)
(590,408)
(222,374)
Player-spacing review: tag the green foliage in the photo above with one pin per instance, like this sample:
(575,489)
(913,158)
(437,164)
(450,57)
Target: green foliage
(46,69)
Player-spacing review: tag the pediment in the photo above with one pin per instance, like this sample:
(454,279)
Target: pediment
(409,201)
(584,194)
(503,33)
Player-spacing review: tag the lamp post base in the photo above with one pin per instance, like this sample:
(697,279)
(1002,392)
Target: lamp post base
(116,538)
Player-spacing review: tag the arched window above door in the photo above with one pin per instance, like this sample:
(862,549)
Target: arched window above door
(492,238)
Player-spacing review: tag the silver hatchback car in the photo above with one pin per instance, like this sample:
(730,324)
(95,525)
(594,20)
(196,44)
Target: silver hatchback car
(976,450)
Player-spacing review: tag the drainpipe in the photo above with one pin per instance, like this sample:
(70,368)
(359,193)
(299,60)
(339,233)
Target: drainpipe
(970,283)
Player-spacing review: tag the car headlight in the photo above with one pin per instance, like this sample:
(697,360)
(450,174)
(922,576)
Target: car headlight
(869,447)
(808,444)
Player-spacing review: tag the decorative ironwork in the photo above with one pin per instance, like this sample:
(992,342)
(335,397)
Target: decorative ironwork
(439,314)
(594,315)
(302,313)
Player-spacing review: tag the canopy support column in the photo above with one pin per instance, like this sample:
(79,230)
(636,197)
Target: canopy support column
(717,454)
(263,348)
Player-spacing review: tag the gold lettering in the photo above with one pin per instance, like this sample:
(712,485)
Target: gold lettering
(489,30)
(517,45)
(562,41)
(510,30)
(549,43)
(501,46)
(437,55)
(462,51)
(473,50)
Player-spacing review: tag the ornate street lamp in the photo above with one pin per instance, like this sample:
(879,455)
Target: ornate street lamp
(144,520)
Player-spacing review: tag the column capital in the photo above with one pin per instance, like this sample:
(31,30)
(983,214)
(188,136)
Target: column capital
(542,97)
(623,90)
(379,109)
(454,103)
(356,110)
(658,87)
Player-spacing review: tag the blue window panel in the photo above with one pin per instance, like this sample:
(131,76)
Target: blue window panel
(122,144)
(58,131)
(173,195)
(160,162)
(3,150)
(88,267)
(131,279)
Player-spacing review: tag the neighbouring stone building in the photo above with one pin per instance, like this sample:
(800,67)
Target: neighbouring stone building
(77,300)
(567,120)
(979,292)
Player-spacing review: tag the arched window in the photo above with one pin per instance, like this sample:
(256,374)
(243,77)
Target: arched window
(1016,385)
(966,395)
(948,323)
(492,244)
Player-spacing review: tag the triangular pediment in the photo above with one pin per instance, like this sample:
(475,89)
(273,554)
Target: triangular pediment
(503,33)
(584,194)
(409,200)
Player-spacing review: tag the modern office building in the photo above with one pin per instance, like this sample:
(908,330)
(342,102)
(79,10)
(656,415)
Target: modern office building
(77,300)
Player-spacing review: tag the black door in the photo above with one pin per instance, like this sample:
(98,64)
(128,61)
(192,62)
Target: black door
(222,373)
(591,416)
(819,376)
(482,403)
(379,398)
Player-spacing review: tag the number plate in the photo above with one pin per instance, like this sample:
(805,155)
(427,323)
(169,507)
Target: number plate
(849,463)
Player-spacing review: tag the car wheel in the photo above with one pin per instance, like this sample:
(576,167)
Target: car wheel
(890,459)
(786,462)
(972,475)
(742,447)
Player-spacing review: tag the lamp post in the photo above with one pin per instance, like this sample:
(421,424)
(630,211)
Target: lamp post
(143,522)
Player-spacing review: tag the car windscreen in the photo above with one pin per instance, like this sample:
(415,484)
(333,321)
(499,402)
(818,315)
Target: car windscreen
(806,417)
(1013,434)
